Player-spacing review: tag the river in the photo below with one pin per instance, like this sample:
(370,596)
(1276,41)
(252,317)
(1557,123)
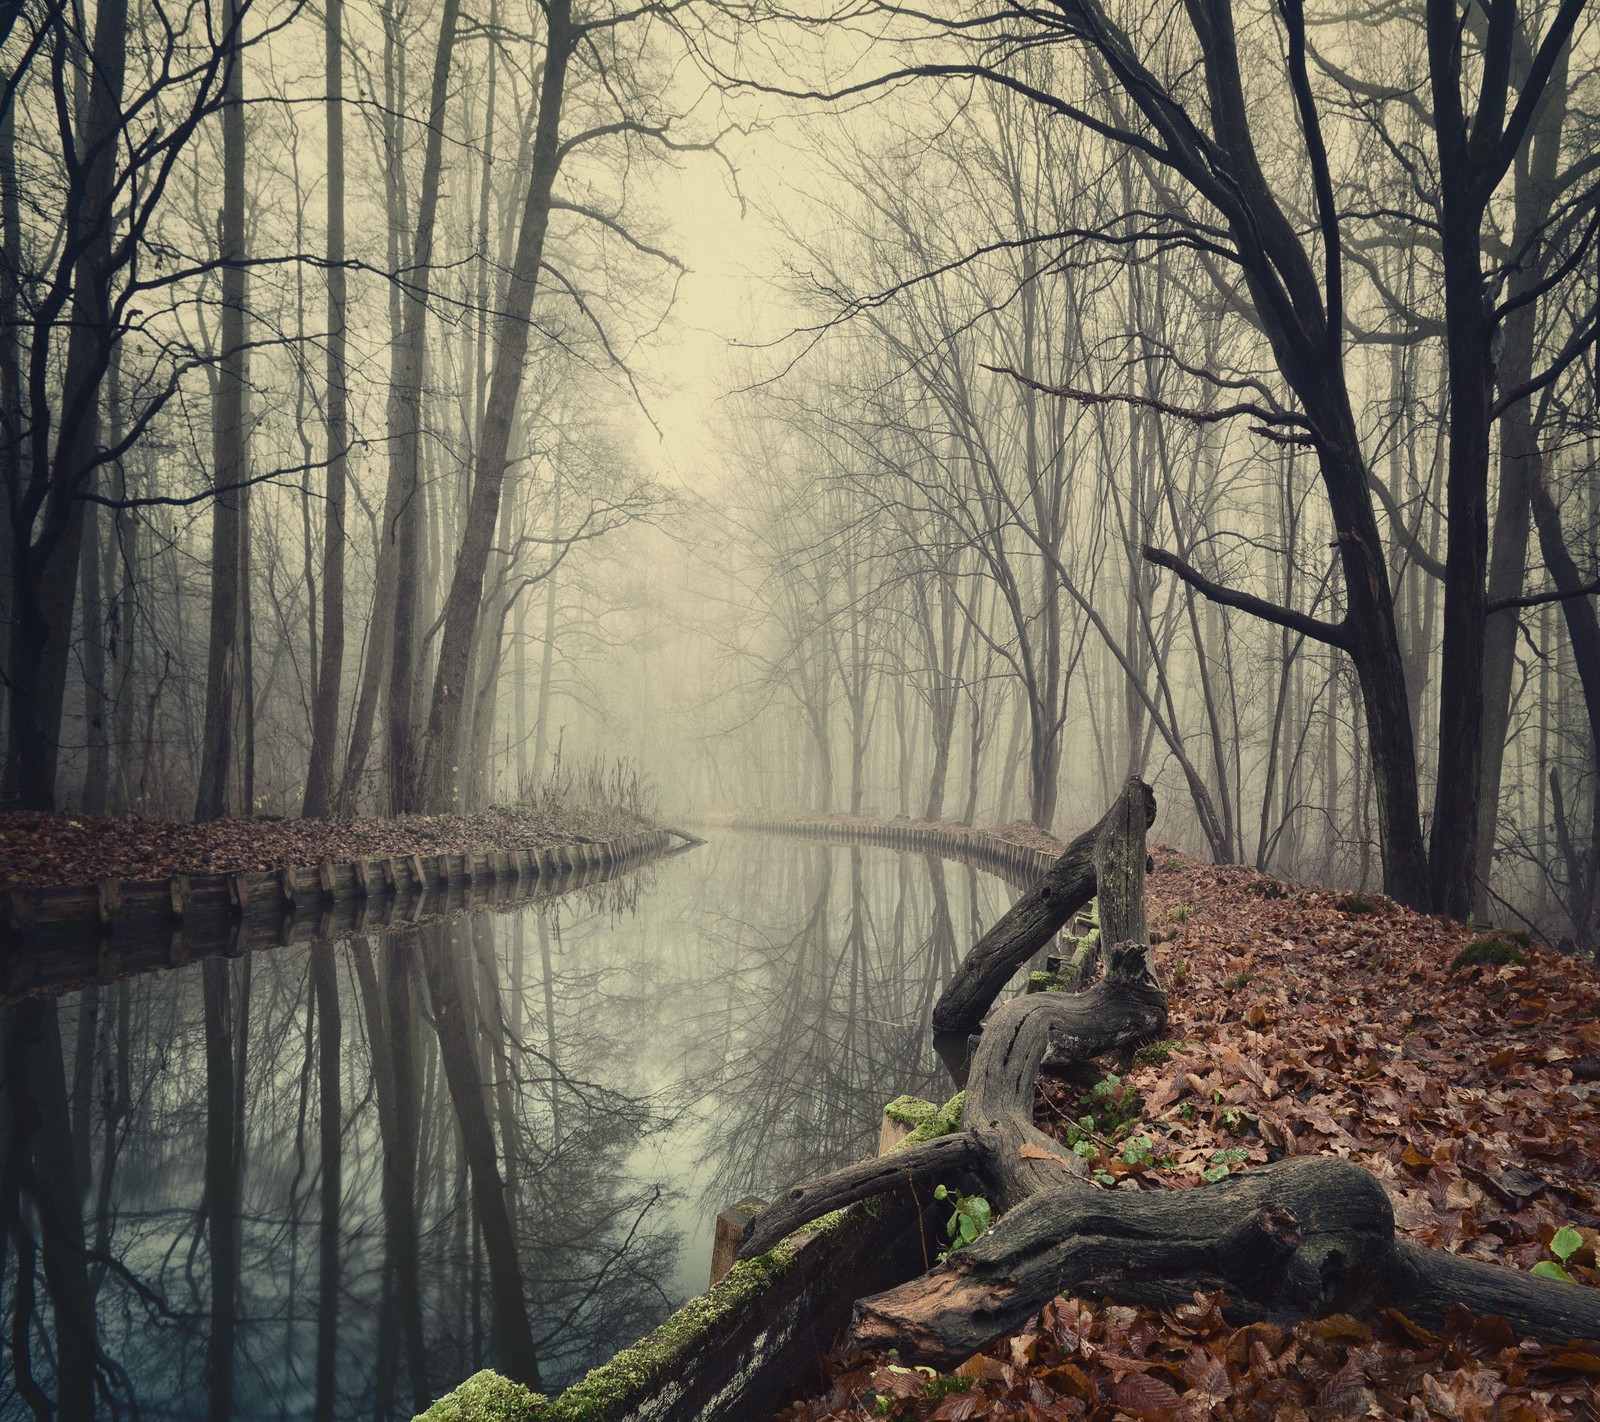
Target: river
(546,1104)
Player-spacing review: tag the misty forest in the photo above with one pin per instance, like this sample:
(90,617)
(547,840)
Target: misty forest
(920,452)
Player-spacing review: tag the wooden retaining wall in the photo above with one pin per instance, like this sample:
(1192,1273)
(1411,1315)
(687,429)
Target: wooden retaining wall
(1018,864)
(55,939)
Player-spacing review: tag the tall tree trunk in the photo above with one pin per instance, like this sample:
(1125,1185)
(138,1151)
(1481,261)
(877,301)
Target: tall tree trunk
(547,658)
(1534,177)
(122,556)
(322,777)
(1380,671)
(45,566)
(224,664)
(1470,167)
(11,439)
(97,769)
(440,746)
(405,422)
(1583,633)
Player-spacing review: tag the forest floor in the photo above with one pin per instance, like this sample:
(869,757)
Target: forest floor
(39,850)
(1314,1022)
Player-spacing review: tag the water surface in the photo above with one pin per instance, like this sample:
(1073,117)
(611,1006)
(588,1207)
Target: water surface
(332,1180)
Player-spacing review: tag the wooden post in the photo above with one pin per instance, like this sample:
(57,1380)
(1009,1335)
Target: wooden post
(22,909)
(729,1231)
(1119,857)
(891,1132)
(108,900)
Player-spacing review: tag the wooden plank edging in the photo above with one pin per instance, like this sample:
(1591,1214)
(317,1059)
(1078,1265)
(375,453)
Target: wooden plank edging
(56,938)
(1018,864)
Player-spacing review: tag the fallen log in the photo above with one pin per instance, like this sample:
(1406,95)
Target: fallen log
(1305,1237)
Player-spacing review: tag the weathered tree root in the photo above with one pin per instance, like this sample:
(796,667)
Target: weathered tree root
(944,1159)
(1030,923)
(1305,1237)
(1300,1239)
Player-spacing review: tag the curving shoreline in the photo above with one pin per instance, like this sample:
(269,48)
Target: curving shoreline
(54,939)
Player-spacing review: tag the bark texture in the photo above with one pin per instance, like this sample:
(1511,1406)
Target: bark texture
(1028,926)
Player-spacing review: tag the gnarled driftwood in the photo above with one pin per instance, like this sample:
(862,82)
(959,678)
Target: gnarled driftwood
(1305,1237)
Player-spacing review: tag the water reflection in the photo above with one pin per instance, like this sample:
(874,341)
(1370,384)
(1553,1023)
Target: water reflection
(330,1181)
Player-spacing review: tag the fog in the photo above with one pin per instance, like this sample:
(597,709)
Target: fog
(874,411)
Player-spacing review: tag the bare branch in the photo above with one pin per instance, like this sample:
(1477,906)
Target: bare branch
(1334,634)
(1183,412)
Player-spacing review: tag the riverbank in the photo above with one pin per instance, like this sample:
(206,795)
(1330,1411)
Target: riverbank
(1457,1066)
(1017,852)
(55,850)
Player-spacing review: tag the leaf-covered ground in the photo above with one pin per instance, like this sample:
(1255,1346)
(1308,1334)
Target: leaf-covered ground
(38,850)
(1310,1022)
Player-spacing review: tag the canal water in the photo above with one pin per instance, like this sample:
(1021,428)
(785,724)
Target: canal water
(332,1180)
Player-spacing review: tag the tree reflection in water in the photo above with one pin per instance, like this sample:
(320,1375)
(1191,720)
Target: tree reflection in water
(824,1010)
(332,1180)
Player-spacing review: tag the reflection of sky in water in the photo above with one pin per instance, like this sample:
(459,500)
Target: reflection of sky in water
(727,1022)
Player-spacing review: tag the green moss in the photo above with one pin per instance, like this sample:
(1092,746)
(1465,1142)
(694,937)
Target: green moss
(1155,1053)
(940,1122)
(910,1111)
(638,1367)
(1354,903)
(1047,982)
(488,1397)
(1487,950)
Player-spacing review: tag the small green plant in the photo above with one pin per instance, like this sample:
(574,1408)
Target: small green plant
(934,1388)
(1180,914)
(1354,903)
(1180,969)
(1487,950)
(1563,1244)
(1137,1150)
(1222,1161)
(1105,1177)
(969,1218)
(937,1388)
(1238,980)
(1117,1106)
(1234,1121)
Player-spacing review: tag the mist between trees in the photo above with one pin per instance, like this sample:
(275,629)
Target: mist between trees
(1207,389)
